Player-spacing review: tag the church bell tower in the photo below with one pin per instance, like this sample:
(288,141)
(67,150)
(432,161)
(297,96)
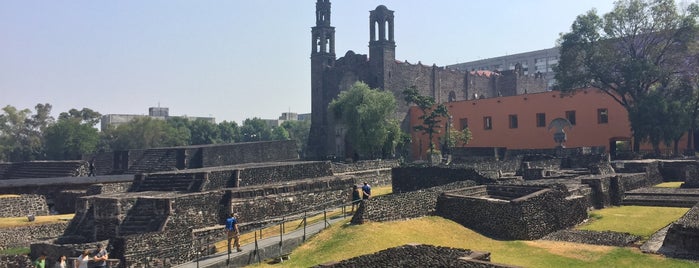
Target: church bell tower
(382,47)
(320,139)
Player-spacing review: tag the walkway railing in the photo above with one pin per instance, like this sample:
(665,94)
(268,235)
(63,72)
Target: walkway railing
(328,210)
(268,228)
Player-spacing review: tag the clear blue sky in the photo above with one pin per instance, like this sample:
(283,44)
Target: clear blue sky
(236,59)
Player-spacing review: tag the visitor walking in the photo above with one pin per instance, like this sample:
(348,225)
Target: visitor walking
(82,260)
(101,256)
(41,261)
(61,262)
(366,191)
(233,232)
(355,196)
(92,168)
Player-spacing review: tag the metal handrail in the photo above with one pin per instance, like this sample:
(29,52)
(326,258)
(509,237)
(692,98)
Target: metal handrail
(281,220)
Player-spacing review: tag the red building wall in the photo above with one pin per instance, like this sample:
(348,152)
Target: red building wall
(587,131)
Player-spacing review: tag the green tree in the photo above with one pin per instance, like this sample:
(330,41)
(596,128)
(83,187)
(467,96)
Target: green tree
(203,132)
(146,132)
(629,52)
(229,131)
(86,115)
(255,129)
(298,131)
(70,138)
(368,117)
(21,133)
(432,113)
(279,134)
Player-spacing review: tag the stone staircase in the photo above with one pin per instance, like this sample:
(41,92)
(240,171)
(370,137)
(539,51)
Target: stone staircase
(182,182)
(661,197)
(146,216)
(154,160)
(44,169)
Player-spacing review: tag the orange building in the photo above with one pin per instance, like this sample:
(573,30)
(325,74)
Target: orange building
(522,121)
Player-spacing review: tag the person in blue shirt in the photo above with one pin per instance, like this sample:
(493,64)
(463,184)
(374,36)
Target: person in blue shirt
(366,191)
(233,232)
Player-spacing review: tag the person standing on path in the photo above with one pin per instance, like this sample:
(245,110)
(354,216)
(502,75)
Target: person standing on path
(366,191)
(233,232)
(101,256)
(82,260)
(355,196)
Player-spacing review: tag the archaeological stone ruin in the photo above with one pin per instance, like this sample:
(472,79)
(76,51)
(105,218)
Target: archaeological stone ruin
(159,213)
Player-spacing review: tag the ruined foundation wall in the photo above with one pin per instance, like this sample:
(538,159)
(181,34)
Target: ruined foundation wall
(407,179)
(17,237)
(282,173)
(406,205)
(23,205)
(248,152)
(526,218)
(682,239)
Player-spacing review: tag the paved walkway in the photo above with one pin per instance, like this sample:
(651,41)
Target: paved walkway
(268,248)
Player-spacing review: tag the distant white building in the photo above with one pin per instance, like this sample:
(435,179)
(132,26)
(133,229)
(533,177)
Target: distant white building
(153,112)
(287,117)
(538,61)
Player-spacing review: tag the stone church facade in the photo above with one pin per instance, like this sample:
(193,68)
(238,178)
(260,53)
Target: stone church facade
(380,69)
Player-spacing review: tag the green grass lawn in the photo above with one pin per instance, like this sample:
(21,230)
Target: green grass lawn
(637,220)
(343,241)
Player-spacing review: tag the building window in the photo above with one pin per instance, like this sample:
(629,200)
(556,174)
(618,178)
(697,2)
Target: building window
(513,121)
(570,115)
(602,116)
(540,120)
(487,123)
(463,122)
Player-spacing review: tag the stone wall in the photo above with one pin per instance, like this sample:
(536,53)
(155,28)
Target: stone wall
(339,168)
(682,239)
(15,261)
(64,202)
(609,189)
(405,205)
(23,205)
(108,188)
(419,256)
(16,237)
(283,172)
(526,218)
(262,204)
(413,178)
(248,152)
(44,169)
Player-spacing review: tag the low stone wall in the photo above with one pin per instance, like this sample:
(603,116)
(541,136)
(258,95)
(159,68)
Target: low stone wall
(283,172)
(15,261)
(339,168)
(108,188)
(23,236)
(682,239)
(604,238)
(23,205)
(609,189)
(399,206)
(419,256)
(265,203)
(692,177)
(529,217)
(248,152)
(413,178)
(64,202)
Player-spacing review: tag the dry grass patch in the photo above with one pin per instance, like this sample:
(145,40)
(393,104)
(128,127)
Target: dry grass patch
(9,195)
(23,221)
(583,252)
(672,184)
